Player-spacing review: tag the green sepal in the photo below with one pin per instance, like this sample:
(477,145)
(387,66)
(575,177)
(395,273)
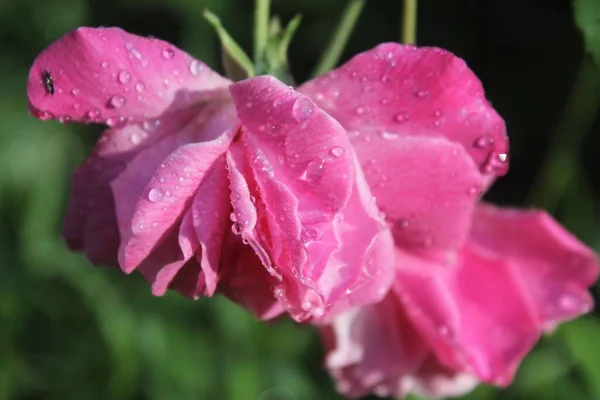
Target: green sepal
(236,62)
(276,59)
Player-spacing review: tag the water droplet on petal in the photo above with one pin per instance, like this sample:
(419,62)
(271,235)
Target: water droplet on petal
(502,157)
(474,190)
(168,193)
(302,109)
(93,114)
(155,194)
(403,223)
(135,138)
(117,101)
(484,142)
(104,64)
(76,106)
(196,67)
(140,87)
(438,113)
(390,135)
(359,111)
(401,117)
(167,54)
(337,151)
(75,91)
(421,93)
(123,77)
(151,125)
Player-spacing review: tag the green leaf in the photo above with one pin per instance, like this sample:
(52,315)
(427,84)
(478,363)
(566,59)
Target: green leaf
(587,18)
(277,48)
(236,63)
(580,337)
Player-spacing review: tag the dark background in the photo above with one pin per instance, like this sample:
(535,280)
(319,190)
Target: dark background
(72,331)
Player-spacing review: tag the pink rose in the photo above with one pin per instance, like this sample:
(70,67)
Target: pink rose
(475,285)
(194,168)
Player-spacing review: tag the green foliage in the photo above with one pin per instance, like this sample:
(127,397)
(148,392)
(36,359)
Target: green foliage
(70,331)
(587,17)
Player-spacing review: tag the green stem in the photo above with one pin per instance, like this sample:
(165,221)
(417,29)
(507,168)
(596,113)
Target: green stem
(409,22)
(333,52)
(261,29)
(562,158)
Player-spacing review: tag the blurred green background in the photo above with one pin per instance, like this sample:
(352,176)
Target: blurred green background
(72,331)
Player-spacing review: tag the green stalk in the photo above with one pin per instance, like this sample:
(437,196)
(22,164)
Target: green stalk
(562,158)
(261,30)
(409,22)
(333,52)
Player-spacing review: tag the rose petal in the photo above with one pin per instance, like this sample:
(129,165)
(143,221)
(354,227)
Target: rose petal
(555,268)
(90,222)
(166,196)
(427,188)
(304,168)
(158,184)
(163,264)
(246,282)
(401,90)
(108,75)
(373,347)
(472,313)
(210,210)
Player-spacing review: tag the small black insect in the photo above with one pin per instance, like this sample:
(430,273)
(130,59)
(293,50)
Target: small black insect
(48,81)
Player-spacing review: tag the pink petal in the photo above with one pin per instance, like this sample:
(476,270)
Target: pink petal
(211,209)
(364,261)
(427,188)
(304,169)
(246,282)
(433,380)
(473,312)
(373,348)
(555,269)
(108,75)
(401,90)
(158,185)
(302,143)
(90,223)
(161,267)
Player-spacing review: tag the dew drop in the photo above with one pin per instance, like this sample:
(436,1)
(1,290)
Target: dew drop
(502,157)
(151,125)
(302,109)
(75,91)
(155,194)
(384,101)
(401,117)
(484,142)
(474,190)
(167,54)
(438,113)
(117,101)
(389,135)
(76,106)
(140,87)
(123,77)
(233,217)
(337,151)
(403,223)
(196,67)
(421,94)
(93,114)
(359,111)
(168,193)
(104,64)
(135,138)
